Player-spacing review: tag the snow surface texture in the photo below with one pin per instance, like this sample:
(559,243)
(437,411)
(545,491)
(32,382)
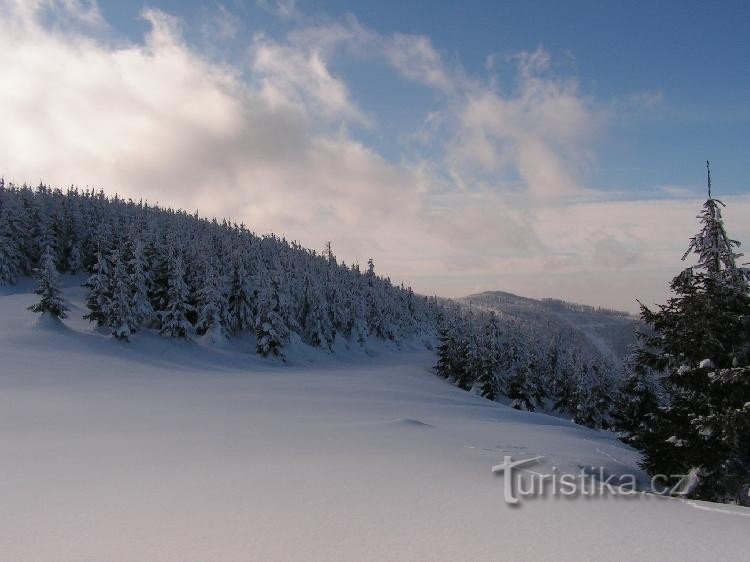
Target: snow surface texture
(166,450)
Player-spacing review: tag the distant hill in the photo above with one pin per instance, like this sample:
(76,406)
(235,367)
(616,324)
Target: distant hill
(611,332)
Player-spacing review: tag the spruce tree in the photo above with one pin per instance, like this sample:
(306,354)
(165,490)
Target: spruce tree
(444,365)
(140,282)
(121,317)
(271,331)
(700,346)
(174,318)
(211,305)
(488,365)
(99,300)
(240,298)
(637,402)
(10,250)
(51,302)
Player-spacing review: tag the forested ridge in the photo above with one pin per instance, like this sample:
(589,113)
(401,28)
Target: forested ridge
(153,268)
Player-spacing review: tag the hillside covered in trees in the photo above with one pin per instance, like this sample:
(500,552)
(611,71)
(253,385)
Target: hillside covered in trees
(150,268)
(185,276)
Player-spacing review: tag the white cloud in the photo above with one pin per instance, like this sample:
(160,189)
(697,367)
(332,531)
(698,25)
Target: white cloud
(285,9)
(291,76)
(416,58)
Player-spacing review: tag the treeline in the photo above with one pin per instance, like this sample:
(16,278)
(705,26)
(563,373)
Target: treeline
(186,276)
(565,306)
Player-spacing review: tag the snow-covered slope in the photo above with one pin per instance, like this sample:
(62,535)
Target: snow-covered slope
(165,450)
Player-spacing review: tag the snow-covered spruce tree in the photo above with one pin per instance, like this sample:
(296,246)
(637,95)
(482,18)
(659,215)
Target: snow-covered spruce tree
(521,387)
(240,297)
(51,302)
(700,346)
(75,258)
(444,366)
(99,300)
(271,331)
(137,269)
(593,402)
(636,405)
(10,250)
(156,255)
(174,321)
(375,321)
(315,320)
(451,350)
(488,382)
(121,319)
(211,305)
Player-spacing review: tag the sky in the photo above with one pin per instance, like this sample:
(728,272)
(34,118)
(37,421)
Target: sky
(544,148)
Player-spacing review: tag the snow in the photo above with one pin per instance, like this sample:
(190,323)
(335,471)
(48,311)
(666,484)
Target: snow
(706,364)
(170,450)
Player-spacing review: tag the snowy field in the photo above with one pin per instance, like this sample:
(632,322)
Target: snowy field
(161,450)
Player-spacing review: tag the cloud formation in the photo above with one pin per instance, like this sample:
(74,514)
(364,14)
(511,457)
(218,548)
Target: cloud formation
(492,194)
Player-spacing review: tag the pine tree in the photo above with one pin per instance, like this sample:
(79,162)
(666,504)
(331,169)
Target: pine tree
(51,302)
(700,346)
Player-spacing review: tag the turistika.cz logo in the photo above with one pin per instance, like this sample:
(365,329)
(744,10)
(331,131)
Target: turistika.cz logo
(520,482)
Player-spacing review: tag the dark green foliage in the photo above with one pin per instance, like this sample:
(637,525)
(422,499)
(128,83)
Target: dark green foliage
(700,348)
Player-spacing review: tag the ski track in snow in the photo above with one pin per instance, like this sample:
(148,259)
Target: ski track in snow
(175,451)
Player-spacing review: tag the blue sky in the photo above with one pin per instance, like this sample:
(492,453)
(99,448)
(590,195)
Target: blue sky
(691,55)
(546,148)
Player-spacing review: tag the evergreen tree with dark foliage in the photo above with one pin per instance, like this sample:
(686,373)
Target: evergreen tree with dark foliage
(122,320)
(99,300)
(637,403)
(271,332)
(50,302)
(700,346)
(488,382)
(174,321)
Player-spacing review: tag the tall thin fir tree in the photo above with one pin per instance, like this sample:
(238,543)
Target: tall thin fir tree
(51,303)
